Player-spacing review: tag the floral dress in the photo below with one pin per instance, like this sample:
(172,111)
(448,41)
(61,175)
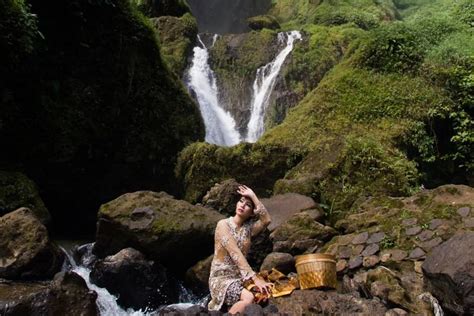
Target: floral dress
(229,266)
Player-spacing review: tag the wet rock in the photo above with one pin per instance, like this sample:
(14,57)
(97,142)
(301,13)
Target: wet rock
(417,253)
(198,275)
(283,206)
(83,255)
(371,249)
(371,261)
(449,273)
(355,262)
(360,238)
(174,232)
(413,230)
(136,281)
(409,222)
(428,245)
(223,197)
(376,237)
(282,246)
(26,251)
(464,211)
(67,294)
(425,235)
(309,302)
(283,262)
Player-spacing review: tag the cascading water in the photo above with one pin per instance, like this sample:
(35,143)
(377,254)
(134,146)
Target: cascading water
(220,126)
(263,86)
(107,303)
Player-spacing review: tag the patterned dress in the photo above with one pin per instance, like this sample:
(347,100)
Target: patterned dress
(229,266)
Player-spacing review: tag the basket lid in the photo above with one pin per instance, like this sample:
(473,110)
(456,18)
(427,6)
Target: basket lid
(315,256)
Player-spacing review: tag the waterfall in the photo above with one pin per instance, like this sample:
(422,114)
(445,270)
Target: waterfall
(106,302)
(220,126)
(263,85)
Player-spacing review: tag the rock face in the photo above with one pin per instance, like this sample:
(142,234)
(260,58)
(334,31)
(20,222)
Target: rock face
(283,206)
(283,262)
(217,16)
(67,294)
(198,275)
(25,249)
(223,197)
(172,232)
(312,302)
(94,112)
(17,190)
(138,283)
(449,273)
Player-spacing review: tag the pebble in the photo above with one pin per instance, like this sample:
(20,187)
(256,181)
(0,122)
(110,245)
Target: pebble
(416,253)
(370,261)
(344,240)
(428,245)
(370,250)
(341,265)
(360,238)
(345,252)
(425,235)
(469,222)
(355,262)
(464,211)
(409,222)
(413,230)
(376,237)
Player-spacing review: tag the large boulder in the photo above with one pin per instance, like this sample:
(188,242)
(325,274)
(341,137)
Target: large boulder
(172,232)
(17,190)
(25,248)
(198,275)
(283,206)
(223,197)
(137,282)
(310,302)
(301,233)
(67,294)
(449,273)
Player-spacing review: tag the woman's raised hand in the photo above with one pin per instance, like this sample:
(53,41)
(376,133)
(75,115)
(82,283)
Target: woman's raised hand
(246,191)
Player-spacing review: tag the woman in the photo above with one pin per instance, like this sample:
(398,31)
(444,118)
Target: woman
(229,267)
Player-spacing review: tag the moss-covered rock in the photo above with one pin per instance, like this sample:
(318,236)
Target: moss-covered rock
(94,111)
(263,22)
(172,232)
(17,190)
(156,8)
(255,165)
(177,39)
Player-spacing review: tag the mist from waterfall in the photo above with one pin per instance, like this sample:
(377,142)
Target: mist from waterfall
(220,126)
(263,86)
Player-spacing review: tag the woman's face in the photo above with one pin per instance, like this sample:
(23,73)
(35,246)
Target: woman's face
(244,207)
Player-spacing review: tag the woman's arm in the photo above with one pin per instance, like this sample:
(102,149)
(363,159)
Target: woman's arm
(260,211)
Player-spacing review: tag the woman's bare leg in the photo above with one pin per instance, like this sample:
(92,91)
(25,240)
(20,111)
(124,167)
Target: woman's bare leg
(246,298)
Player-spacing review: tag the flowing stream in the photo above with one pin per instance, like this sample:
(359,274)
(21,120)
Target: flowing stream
(107,303)
(220,126)
(263,86)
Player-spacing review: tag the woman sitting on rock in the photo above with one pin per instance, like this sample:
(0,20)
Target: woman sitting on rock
(229,267)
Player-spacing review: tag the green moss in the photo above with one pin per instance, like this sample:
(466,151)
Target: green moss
(256,165)
(263,22)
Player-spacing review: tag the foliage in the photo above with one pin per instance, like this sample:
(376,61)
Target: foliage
(263,21)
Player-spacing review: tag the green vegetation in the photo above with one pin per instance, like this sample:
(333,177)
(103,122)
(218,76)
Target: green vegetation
(263,22)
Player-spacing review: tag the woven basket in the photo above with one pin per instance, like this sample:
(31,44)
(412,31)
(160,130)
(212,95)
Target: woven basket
(316,270)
